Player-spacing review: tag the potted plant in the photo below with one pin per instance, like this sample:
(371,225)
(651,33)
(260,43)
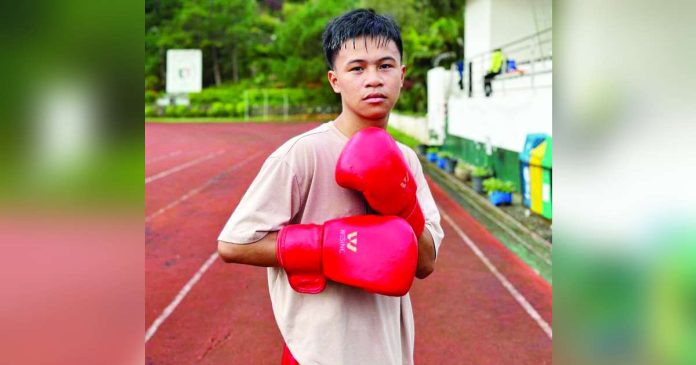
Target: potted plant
(432,154)
(423,149)
(450,164)
(462,171)
(499,191)
(442,158)
(479,174)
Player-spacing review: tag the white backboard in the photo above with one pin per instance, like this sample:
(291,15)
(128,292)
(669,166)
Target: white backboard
(184,70)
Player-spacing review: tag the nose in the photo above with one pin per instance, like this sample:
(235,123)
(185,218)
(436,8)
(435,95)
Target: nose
(373,78)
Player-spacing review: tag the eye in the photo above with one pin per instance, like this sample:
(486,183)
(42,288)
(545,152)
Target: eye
(356,68)
(385,66)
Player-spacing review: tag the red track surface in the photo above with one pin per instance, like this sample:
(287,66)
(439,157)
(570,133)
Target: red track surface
(463,313)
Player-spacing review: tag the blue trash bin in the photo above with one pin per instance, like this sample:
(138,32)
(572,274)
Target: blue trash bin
(532,141)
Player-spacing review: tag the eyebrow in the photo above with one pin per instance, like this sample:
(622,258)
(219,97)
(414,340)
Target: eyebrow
(358,60)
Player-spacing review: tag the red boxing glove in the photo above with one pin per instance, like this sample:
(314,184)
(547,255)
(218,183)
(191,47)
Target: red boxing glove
(372,163)
(376,253)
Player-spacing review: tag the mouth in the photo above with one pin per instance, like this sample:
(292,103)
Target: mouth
(375,98)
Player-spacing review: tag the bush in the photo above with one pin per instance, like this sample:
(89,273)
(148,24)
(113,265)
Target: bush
(241,108)
(216,110)
(230,109)
(480,171)
(181,111)
(150,111)
(150,96)
(493,184)
(170,111)
(235,95)
(195,111)
(151,82)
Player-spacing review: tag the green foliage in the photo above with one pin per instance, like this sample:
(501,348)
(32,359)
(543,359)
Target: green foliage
(480,171)
(252,45)
(151,83)
(217,110)
(403,137)
(493,184)
(170,111)
(150,111)
(432,150)
(181,110)
(237,95)
(195,111)
(150,96)
(444,154)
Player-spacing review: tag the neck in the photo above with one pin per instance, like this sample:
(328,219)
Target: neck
(349,123)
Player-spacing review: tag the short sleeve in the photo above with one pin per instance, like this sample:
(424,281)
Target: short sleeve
(271,201)
(426,201)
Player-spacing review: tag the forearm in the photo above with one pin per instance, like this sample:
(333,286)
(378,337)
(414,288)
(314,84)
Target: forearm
(259,253)
(426,255)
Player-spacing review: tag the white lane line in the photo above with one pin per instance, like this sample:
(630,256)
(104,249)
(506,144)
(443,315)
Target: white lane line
(197,276)
(198,189)
(503,280)
(179,297)
(182,166)
(160,158)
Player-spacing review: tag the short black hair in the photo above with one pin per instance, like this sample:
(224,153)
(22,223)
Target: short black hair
(359,23)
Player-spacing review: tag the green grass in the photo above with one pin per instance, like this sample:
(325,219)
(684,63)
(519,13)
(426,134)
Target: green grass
(403,137)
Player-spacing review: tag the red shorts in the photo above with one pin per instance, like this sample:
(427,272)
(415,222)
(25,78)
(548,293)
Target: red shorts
(287,357)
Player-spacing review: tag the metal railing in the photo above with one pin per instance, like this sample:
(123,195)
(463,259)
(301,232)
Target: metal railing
(533,56)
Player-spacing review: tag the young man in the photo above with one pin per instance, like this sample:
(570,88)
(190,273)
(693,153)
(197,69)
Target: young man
(333,308)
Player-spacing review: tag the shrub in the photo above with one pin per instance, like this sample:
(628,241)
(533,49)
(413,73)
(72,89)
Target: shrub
(195,111)
(480,171)
(216,110)
(230,109)
(150,111)
(493,184)
(181,111)
(241,108)
(170,111)
(150,96)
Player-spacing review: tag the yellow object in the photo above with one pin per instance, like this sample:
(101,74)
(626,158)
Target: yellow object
(497,59)
(536,178)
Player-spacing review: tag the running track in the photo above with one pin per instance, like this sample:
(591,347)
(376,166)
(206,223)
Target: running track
(482,305)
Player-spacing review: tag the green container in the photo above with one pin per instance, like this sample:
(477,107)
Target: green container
(540,164)
(546,163)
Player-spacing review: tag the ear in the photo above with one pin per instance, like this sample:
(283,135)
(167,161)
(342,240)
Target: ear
(403,74)
(333,81)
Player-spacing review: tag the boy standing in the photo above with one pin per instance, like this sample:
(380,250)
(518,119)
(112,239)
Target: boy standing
(363,315)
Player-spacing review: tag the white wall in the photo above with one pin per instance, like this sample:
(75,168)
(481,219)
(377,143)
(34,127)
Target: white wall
(518,106)
(502,120)
(416,127)
(511,20)
(439,81)
(477,27)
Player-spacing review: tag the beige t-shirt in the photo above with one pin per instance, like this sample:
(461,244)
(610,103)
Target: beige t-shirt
(342,324)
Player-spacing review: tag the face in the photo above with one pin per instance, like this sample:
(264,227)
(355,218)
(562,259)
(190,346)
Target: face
(368,76)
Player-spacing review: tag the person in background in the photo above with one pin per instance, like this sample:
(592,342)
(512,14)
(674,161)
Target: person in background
(497,60)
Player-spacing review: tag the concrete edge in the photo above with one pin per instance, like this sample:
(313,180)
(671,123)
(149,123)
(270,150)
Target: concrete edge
(485,205)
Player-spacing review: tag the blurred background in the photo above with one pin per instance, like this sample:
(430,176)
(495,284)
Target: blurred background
(262,58)
(71,182)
